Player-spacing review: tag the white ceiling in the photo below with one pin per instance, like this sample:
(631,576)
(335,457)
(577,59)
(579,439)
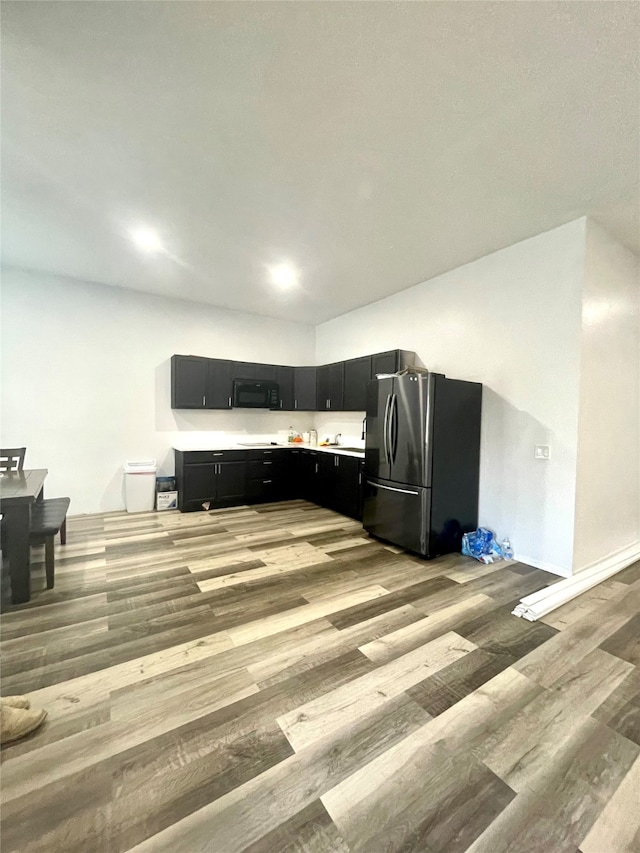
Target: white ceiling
(374,145)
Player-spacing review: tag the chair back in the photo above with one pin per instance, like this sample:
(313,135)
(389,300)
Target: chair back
(12,459)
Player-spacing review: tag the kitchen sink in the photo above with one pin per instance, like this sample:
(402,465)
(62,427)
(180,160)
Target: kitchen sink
(352,449)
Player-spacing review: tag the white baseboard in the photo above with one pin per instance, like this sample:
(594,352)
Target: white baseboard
(540,564)
(540,603)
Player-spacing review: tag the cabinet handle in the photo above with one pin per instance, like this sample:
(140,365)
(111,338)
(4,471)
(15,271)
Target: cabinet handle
(360,479)
(266,481)
(267,463)
(229,402)
(316,467)
(267,451)
(204,400)
(217,454)
(328,404)
(295,405)
(280,403)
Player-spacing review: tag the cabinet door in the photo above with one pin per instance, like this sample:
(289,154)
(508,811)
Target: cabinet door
(304,389)
(336,386)
(219,385)
(243,370)
(293,474)
(357,372)
(230,481)
(327,480)
(330,386)
(309,475)
(392,361)
(199,482)
(384,362)
(188,382)
(266,372)
(284,378)
(348,486)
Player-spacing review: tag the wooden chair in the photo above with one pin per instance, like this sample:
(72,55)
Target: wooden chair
(48,516)
(12,459)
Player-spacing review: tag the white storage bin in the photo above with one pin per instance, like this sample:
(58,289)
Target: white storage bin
(140,484)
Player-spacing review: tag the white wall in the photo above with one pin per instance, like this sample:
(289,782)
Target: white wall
(608,479)
(510,320)
(86,378)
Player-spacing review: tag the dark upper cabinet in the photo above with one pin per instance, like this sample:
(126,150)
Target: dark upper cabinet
(357,372)
(284,378)
(207,383)
(243,370)
(391,362)
(265,372)
(330,391)
(253,370)
(219,393)
(188,382)
(304,389)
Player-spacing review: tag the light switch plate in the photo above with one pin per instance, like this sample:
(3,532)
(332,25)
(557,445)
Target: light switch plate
(542,451)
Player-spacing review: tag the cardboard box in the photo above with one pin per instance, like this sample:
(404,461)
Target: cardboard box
(167,500)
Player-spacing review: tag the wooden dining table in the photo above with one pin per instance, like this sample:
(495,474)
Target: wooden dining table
(19,490)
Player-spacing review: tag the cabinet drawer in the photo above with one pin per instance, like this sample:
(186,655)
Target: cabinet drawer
(266,468)
(268,453)
(266,489)
(192,457)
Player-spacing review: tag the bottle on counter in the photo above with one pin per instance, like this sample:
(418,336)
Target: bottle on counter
(292,435)
(313,438)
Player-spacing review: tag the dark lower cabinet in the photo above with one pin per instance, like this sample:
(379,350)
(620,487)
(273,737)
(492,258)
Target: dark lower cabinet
(233,477)
(327,477)
(348,486)
(339,484)
(214,477)
(230,484)
(308,473)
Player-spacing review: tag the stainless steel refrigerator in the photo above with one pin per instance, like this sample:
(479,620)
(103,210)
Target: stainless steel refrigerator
(422,461)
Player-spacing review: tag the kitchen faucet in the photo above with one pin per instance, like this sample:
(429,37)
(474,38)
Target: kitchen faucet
(364,428)
(337,438)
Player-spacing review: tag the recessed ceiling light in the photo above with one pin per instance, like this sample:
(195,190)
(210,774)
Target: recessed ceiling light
(283,276)
(146,239)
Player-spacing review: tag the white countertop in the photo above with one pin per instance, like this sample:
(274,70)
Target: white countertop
(186,448)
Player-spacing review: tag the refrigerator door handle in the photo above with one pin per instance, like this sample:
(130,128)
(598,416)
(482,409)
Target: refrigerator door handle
(393,428)
(385,430)
(390,489)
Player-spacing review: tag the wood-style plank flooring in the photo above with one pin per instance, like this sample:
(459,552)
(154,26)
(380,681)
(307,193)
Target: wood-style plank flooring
(271,679)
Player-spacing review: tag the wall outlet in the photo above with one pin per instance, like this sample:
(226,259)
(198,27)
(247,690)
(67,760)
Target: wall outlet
(541,451)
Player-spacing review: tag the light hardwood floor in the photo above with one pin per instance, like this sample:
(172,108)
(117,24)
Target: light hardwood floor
(270,679)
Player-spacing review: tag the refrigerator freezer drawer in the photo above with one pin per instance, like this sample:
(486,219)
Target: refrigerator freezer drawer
(398,514)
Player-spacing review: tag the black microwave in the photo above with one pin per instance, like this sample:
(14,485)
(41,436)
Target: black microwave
(255,394)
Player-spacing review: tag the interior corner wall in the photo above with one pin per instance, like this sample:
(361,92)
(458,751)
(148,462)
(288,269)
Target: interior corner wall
(510,320)
(608,463)
(86,378)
